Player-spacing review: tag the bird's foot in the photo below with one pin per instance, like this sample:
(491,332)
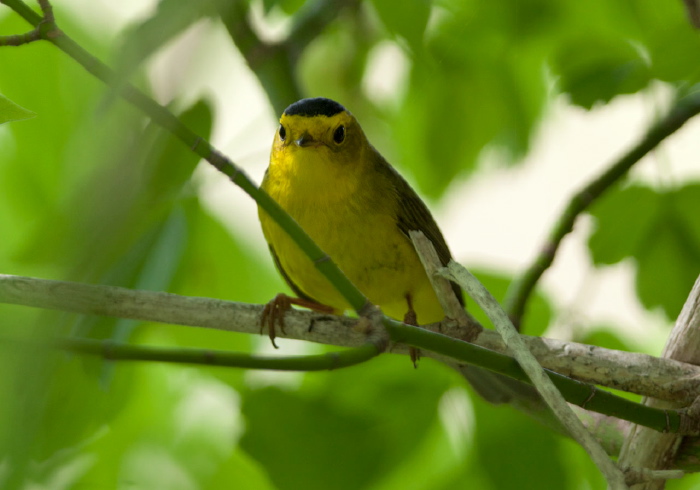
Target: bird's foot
(274,311)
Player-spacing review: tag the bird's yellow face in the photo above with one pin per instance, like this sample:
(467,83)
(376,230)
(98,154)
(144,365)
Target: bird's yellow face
(319,151)
(337,135)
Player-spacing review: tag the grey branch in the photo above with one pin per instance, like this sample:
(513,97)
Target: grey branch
(648,448)
(660,378)
(545,386)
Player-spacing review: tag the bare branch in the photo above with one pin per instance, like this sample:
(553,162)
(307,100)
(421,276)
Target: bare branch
(638,373)
(642,475)
(646,448)
(544,384)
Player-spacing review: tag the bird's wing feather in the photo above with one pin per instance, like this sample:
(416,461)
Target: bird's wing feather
(413,214)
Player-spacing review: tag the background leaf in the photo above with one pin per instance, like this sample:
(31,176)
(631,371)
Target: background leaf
(9,111)
(656,229)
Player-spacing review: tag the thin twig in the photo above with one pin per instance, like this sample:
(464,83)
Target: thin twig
(493,387)
(443,289)
(21,39)
(47,23)
(542,382)
(115,351)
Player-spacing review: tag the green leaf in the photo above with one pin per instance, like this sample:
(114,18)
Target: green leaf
(687,204)
(144,38)
(290,434)
(289,7)
(536,464)
(669,39)
(661,232)
(171,162)
(436,142)
(468,91)
(399,396)
(9,111)
(175,419)
(596,69)
(405,19)
(374,426)
(668,259)
(241,472)
(56,388)
(38,165)
(623,218)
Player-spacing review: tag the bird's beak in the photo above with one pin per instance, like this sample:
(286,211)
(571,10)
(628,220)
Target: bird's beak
(306,140)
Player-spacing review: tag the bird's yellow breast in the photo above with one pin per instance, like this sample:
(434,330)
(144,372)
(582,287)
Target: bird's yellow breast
(351,213)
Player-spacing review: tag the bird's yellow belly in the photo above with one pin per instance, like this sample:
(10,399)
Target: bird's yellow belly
(368,248)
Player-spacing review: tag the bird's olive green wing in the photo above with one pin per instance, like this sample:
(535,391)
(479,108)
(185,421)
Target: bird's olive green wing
(413,214)
(295,288)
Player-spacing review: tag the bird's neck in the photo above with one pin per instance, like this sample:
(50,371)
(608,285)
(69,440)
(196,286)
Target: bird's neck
(310,182)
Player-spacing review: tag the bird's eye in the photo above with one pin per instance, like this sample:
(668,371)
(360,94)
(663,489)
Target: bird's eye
(283,133)
(339,135)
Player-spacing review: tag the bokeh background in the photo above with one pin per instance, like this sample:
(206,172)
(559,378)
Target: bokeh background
(495,111)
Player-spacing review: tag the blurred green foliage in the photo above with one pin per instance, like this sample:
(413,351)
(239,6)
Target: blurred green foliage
(9,111)
(539,313)
(90,191)
(660,231)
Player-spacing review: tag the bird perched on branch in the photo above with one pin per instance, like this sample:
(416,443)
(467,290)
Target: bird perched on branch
(325,173)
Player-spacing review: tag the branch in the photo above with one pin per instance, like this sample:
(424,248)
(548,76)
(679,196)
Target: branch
(494,388)
(44,29)
(544,384)
(520,291)
(643,475)
(651,449)
(304,325)
(273,63)
(114,351)
(443,289)
(662,378)
(20,39)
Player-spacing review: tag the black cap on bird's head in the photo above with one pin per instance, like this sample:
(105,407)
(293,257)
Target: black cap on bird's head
(318,106)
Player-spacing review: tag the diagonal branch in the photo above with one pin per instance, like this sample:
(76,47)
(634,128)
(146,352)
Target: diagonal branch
(520,291)
(274,63)
(544,384)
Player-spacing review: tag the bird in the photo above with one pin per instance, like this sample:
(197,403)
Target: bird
(325,173)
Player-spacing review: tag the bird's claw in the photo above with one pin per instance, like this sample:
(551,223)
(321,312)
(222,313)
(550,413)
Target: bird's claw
(273,315)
